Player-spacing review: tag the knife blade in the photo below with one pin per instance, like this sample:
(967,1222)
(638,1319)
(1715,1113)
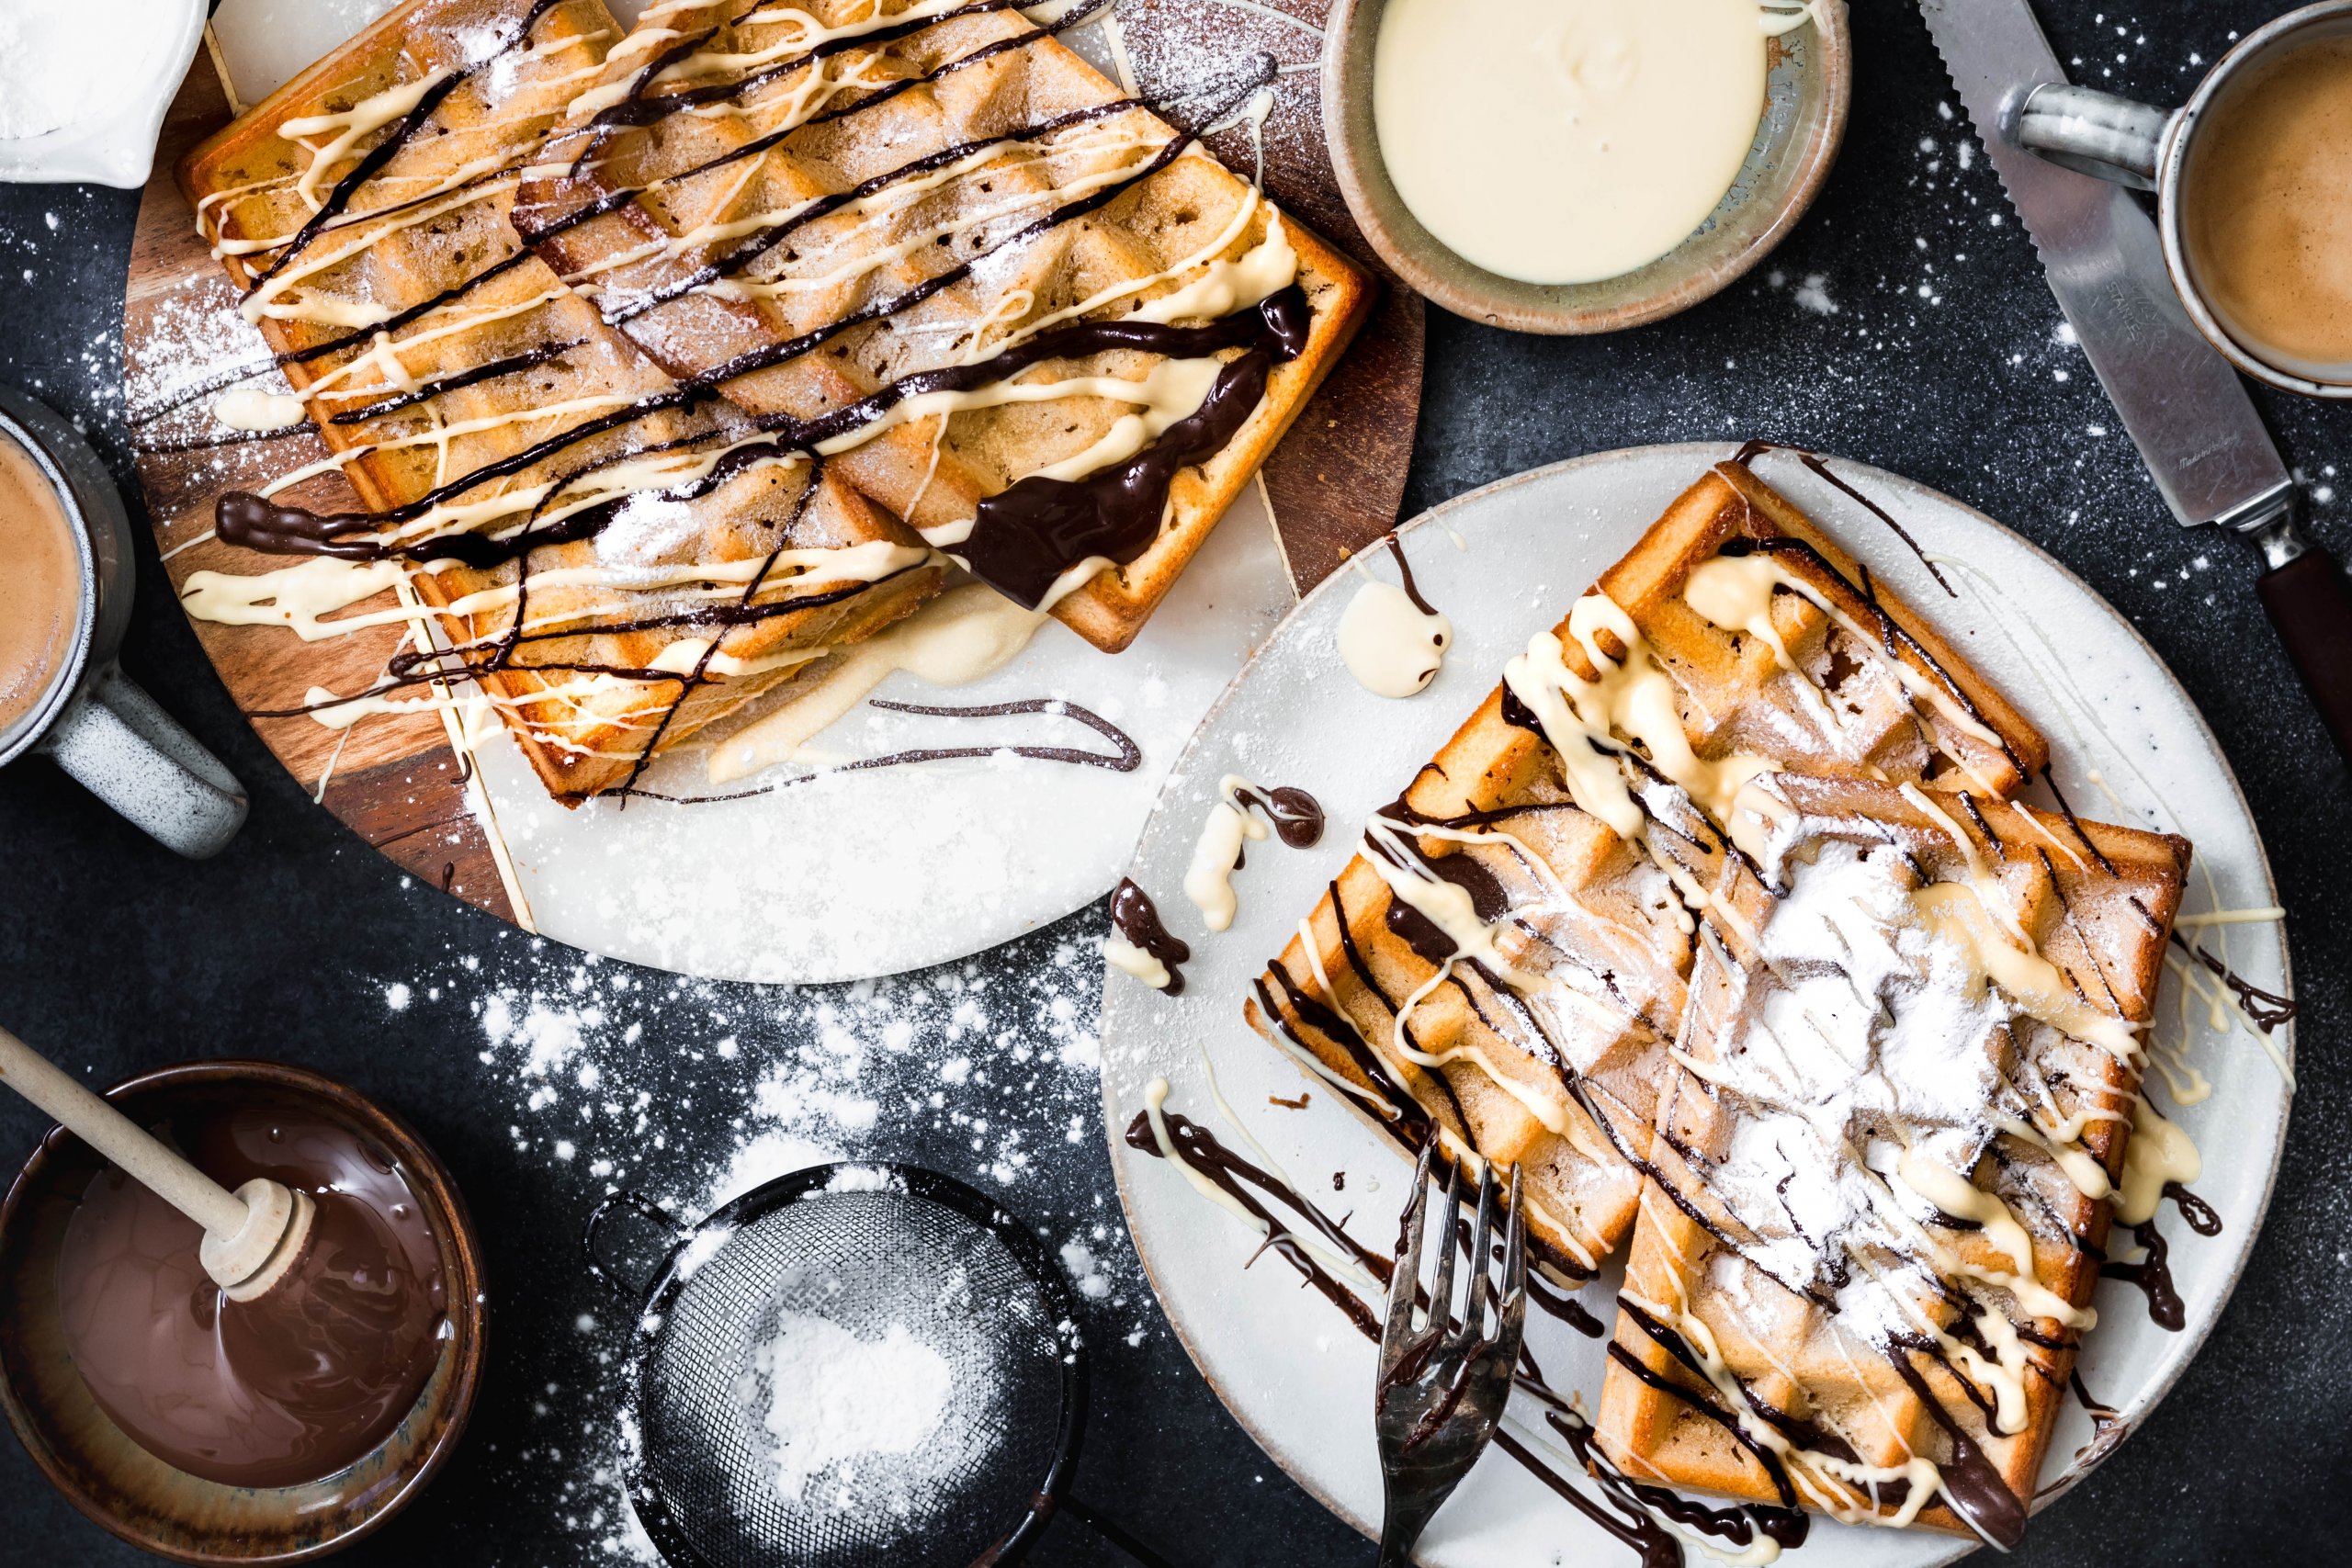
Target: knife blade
(2185,410)
(2181,402)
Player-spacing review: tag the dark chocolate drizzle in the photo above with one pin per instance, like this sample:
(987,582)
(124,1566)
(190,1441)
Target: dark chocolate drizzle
(1125,758)
(1296,815)
(1128,491)
(1559,1304)
(1417,931)
(435,385)
(765,240)
(1971,1481)
(1519,715)
(2075,822)
(338,200)
(1245,1183)
(2202,1216)
(2152,1274)
(1819,466)
(1626,1518)
(1137,920)
(300,532)
(1025,538)
(2268,1010)
(776,353)
(1624,1510)
(1740,1523)
(1893,639)
(637,110)
(2108,1429)
(1672,1342)
(467,661)
(1405,572)
(1401,1114)
(1370,982)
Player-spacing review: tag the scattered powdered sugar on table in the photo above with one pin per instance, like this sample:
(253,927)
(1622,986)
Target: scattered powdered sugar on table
(694,1092)
(832,1398)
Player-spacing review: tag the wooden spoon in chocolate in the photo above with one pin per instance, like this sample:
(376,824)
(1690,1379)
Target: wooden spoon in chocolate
(253,1237)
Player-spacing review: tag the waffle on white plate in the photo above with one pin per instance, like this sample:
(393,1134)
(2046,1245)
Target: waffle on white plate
(1878,1194)
(1598,866)
(1720,920)
(621,550)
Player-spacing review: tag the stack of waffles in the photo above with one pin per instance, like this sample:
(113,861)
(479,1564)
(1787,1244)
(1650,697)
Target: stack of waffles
(670,360)
(1720,920)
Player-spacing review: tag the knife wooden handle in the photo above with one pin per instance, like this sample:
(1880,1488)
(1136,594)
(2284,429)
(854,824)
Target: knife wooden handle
(2311,605)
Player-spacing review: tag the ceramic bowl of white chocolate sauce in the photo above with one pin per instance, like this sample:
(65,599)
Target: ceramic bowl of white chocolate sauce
(1581,165)
(84,90)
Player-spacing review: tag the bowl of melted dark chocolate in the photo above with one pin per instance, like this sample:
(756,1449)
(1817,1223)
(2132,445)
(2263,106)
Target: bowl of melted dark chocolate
(213,1431)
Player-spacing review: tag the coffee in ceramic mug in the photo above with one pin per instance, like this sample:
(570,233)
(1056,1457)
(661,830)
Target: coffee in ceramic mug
(2266,201)
(40,584)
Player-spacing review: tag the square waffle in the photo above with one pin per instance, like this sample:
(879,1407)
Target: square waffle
(1866,1144)
(712,579)
(806,206)
(1561,1072)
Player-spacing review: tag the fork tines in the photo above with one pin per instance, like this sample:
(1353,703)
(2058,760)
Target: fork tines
(1445,1377)
(1407,1299)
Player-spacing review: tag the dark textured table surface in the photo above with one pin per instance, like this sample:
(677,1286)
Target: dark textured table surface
(1904,323)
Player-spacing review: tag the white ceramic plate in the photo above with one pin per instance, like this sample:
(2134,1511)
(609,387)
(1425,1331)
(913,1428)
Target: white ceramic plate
(1285,1361)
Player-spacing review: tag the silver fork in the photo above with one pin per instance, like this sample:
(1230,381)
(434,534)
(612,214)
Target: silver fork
(1443,1383)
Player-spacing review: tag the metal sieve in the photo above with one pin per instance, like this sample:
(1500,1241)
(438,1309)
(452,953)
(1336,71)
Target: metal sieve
(865,1246)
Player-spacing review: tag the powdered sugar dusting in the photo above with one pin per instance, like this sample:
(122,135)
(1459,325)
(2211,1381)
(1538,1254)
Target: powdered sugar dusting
(695,1092)
(830,1398)
(1870,1036)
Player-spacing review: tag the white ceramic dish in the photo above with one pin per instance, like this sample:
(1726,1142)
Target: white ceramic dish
(857,874)
(1287,1364)
(114,144)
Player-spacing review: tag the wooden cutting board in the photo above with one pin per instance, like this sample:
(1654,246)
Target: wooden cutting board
(397,780)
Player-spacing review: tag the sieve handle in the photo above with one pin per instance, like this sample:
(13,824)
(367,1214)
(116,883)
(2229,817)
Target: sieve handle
(645,1208)
(1110,1529)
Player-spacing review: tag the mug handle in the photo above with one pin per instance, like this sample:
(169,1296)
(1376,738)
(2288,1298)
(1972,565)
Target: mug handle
(135,757)
(2093,132)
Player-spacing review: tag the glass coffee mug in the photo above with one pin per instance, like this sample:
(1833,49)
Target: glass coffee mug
(68,603)
(2253,179)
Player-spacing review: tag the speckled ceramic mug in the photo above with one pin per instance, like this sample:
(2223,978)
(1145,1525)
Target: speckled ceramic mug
(2151,149)
(92,720)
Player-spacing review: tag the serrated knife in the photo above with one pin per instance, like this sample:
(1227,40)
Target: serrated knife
(2181,402)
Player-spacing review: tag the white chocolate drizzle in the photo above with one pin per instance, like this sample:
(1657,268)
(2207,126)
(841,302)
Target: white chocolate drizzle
(962,635)
(1126,957)
(1388,643)
(251,408)
(1630,694)
(1208,881)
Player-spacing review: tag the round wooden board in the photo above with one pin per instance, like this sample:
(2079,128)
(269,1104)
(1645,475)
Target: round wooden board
(1335,483)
